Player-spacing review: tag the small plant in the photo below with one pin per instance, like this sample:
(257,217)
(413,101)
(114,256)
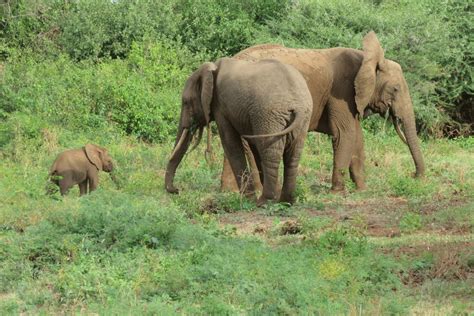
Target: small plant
(277,209)
(331,268)
(410,222)
(409,187)
(341,239)
(313,225)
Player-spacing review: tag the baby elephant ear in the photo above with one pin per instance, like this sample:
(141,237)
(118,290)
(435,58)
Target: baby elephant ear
(94,153)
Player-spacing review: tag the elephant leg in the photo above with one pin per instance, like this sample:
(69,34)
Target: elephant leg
(254,168)
(65,183)
(228,182)
(258,161)
(63,189)
(356,168)
(83,188)
(258,164)
(291,159)
(234,151)
(93,181)
(270,155)
(342,125)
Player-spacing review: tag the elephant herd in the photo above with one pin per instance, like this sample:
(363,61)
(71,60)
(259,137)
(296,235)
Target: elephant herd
(264,100)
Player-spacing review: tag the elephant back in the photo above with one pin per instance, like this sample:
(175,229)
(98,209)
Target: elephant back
(258,52)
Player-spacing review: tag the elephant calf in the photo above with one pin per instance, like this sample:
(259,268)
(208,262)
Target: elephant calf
(80,166)
(266,102)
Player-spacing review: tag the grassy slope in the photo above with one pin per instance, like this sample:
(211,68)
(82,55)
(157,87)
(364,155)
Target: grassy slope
(402,245)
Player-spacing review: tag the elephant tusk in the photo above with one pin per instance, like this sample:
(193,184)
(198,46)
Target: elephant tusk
(399,130)
(180,143)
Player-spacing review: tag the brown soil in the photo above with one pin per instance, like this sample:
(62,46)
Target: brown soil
(248,223)
(378,218)
(448,262)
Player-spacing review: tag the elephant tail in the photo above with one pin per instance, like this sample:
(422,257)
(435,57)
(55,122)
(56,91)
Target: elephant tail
(297,121)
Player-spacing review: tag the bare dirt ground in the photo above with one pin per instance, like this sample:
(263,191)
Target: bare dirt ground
(447,262)
(377,218)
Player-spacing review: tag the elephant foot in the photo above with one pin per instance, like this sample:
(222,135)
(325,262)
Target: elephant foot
(361,187)
(262,201)
(251,197)
(287,199)
(172,190)
(418,175)
(337,190)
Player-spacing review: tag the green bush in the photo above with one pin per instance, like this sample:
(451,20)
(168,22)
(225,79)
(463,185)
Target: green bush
(341,239)
(141,95)
(426,37)
(410,222)
(177,35)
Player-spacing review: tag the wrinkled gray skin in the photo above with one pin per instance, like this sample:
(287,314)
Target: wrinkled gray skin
(80,166)
(345,84)
(266,102)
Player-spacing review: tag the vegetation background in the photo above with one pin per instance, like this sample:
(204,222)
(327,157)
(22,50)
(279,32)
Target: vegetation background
(111,72)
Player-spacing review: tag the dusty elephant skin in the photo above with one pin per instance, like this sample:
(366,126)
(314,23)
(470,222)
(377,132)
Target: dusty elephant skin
(265,102)
(345,84)
(80,166)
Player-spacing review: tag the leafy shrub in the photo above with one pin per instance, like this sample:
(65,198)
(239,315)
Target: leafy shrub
(410,222)
(109,222)
(140,96)
(341,239)
(411,33)
(409,187)
(86,29)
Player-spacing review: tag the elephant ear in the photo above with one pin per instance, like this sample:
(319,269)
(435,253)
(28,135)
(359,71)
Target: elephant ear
(93,153)
(365,79)
(207,87)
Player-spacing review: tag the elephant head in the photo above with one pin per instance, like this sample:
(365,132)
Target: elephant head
(195,115)
(380,87)
(99,157)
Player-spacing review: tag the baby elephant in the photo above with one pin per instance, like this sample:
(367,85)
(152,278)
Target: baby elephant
(80,166)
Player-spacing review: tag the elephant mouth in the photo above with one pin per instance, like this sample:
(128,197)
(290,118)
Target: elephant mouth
(108,168)
(368,112)
(381,108)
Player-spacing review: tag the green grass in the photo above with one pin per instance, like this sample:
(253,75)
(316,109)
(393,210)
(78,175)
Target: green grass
(139,250)
(111,73)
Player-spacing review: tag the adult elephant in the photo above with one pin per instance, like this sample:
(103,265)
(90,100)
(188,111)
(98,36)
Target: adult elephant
(345,83)
(266,102)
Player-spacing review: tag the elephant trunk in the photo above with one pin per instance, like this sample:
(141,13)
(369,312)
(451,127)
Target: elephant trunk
(183,140)
(410,137)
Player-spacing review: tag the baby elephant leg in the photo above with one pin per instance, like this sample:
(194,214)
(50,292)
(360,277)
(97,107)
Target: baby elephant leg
(64,185)
(83,188)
